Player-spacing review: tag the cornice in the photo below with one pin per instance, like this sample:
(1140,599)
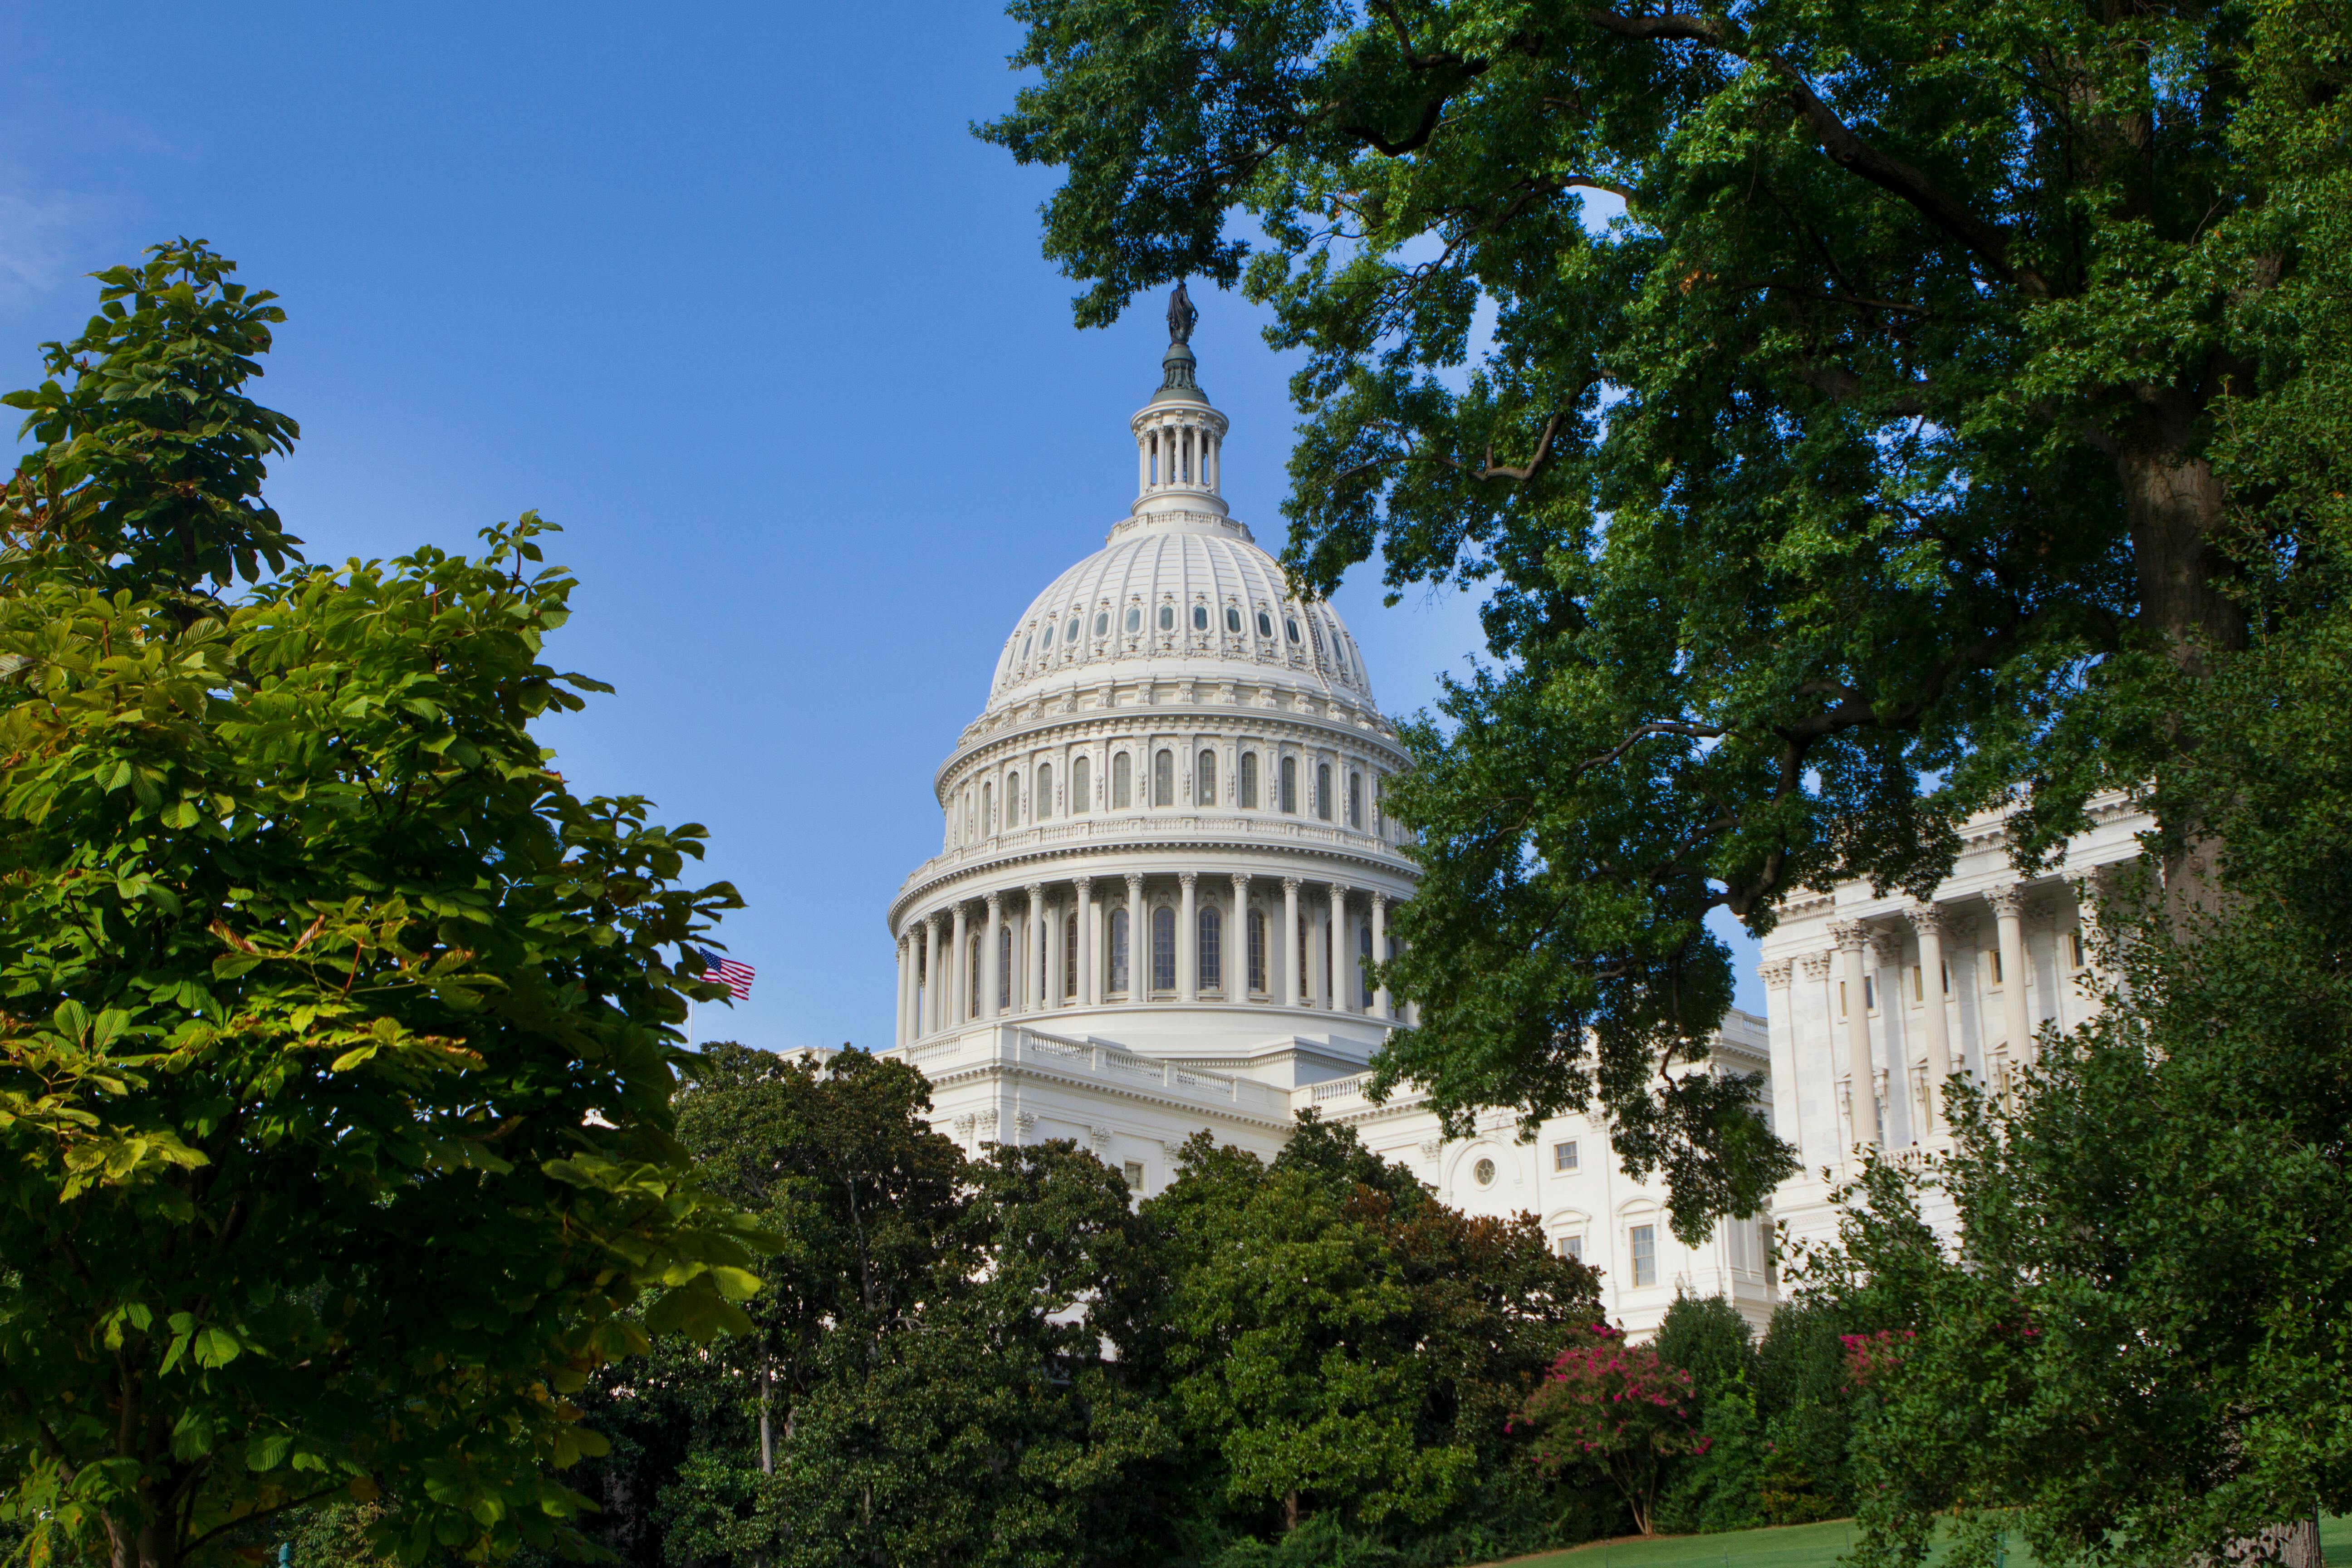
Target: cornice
(1098,1089)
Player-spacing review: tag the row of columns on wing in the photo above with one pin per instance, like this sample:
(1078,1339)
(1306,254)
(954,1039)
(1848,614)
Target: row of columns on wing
(1179,449)
(1199,773)
(1094,941)
(1929,962)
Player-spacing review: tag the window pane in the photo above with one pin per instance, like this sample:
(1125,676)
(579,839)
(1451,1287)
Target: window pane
(988,809)
(1163,778)
(1247,798)
(1163,949)
(1048,643)
(1102,623)
(1070,956)
(1119,950)
(1079,785)
(1166,617)
(1134,618)
(1572,1248)
(1290,784)
(1265,625)
(1044,791)
(1563,1156)
(1323,791)
(1200,618)
(1004,967)
(1121,783)
(1212,966)
(1232,619)
(971,975)
(1256,950)
(1645,1255)
(1204,779)
(1355,800)
(1363,970)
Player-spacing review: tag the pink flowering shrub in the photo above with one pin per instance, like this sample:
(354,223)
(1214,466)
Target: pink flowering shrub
(1619,1409)
(1868,1356)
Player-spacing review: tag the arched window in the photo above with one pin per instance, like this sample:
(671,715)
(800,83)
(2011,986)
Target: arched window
(1204,779)
(1081,796)
(1303,987)
(1045,792)
(987,808)
(971,976)
(1323,791)
(1163,949)
(1247,782)
(1004,966)
(1122,781)
(1355,799)
(1070,956)
(1364,951)
(1012,800)
(1380,819)
(1118,950)
(1212,954)
(1290,786)
(1163,778)
(1257,951)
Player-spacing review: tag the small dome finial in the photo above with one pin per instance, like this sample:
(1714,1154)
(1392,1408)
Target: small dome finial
(1176,366)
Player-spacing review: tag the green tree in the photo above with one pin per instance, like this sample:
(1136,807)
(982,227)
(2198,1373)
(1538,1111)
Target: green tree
(1620,1408)
(1718,1488)
(339,1037)
(1856,473)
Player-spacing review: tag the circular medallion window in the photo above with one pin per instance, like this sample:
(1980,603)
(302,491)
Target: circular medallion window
(1134,619)
(1166,617)
(1232,619)
(1483,1172)
(1102,623)
(1265,625)
(1292,622)
(1200,618)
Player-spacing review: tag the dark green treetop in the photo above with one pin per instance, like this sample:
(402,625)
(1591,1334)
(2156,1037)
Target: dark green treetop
(1848,472)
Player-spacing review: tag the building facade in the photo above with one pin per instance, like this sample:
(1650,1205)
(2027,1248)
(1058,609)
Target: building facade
(1163,859)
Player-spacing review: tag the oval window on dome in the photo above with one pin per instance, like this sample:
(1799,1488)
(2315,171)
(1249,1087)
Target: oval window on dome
(1232,619)
(1102,623)
(1134,618)
(1200,618)
(1070,632)
(1024,645)
(1292,622)
(1166,617)
(1048,643)
(1265,625)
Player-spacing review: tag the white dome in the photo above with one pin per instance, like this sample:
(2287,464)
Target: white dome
(1186,594)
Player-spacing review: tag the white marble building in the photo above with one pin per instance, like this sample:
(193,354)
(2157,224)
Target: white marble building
(1897,994)
(1163,855)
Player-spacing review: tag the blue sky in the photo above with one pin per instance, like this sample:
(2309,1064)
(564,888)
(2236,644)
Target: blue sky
(731,294)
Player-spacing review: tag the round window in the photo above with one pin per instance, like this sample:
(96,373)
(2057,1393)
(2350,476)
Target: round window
(1200,618)
(1483,1173)
(1166,617)
(1049,637)
(1292,622)
(1232,619)
(1265,625)
(1134,619)
(1102,623)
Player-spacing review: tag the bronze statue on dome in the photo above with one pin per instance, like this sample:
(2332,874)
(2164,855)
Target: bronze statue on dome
(1181,315)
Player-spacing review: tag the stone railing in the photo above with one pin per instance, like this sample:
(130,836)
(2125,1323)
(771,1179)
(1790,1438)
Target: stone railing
(1007,1043)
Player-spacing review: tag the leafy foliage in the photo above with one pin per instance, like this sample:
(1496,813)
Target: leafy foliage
(1620,1407)
(1827,398)
(339,1039)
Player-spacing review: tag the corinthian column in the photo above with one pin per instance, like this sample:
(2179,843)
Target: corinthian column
(1294,984)
(1861,1074)
(959,1009)
(992,971)
(1346,985)
(1034,972)
(1234,960)
(1928,922)
(1188,940)
(1380,950)
(931,988)
(1088,995)
(1139,942)
(2009,917)
(898,1025)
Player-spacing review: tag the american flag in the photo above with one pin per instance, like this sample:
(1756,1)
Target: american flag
(735,977)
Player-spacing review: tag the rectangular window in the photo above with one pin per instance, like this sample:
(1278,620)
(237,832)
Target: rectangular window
(1645,1254)
(1563,1155)
(1323,791)
(1081,785)
(1133,1172)
(1869,993)
(1121,781)
(1841,998)
(1070,956)
(1163,778)
(1163,949)
(1045,792)
(1947,967)
(1572,1248)
(1356,801)
(1992,956)
(2074,949)
(1204,791)
(1290,786)
(1247,782)
(1119,950)
(1918,985)
(1256,950)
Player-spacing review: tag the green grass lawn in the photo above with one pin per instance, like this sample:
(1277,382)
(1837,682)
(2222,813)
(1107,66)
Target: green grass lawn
(1802,1546)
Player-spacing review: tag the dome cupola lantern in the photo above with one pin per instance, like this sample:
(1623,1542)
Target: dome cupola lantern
(1178,437)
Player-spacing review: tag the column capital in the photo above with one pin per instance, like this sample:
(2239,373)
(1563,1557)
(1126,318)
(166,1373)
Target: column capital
(1241,884)
(1775,973)
(1036,891)
(2008,902)
(936,918)
(1849,935)
(1816,965)
(995,902)
(1928,919)
(1379,900)
(1290,884)
(1888,943)
(1082,884)
(1341,890)
(1188,878)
